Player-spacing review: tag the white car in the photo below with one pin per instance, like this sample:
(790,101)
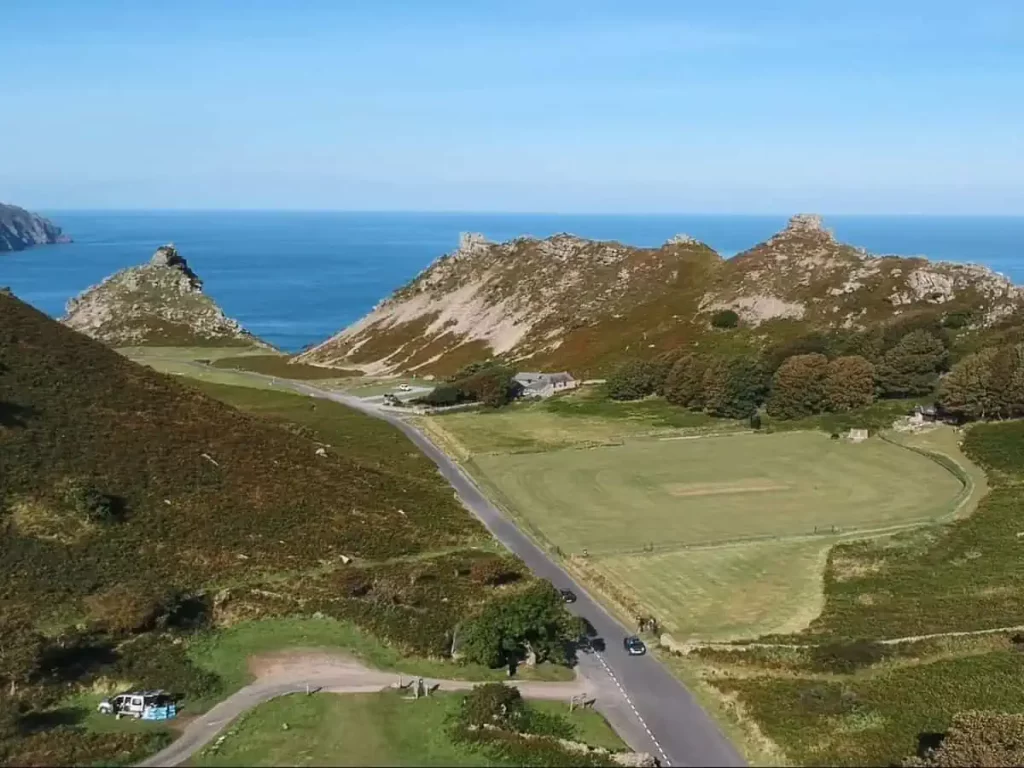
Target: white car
(404,388)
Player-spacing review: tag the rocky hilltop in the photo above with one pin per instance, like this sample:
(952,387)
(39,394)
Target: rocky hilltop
(527,298)
(804,273)
(157,304)
(21,229)
(581,304)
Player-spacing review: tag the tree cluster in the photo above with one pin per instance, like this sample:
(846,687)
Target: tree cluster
(488,382)
(512,625)
(636,379)
(988,384)
(819,372)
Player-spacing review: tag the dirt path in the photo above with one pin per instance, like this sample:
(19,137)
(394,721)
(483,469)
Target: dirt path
(686,647)
(287,672)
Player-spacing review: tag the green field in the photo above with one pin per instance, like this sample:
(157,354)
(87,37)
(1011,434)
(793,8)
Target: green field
(726,592)
(719,533)
(281,366)
(676,493)
(367,729)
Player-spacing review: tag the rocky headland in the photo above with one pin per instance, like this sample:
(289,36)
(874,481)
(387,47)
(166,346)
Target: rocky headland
(21,229)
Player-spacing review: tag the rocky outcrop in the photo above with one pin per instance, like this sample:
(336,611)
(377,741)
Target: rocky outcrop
(21,229)
(565,302)
(804,273)
(157,304)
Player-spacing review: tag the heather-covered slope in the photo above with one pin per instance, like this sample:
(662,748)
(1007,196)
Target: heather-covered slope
(541,300)
(21,229)
(157,304)
(197,490)
(140,517)
(566,302)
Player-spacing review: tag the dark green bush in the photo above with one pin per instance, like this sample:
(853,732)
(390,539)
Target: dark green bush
(725,318)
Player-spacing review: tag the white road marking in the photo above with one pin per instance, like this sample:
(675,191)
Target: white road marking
(632,706)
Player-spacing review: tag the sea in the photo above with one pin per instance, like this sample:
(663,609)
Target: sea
(296,278)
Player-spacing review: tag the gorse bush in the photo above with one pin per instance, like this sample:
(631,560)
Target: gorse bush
(725,318)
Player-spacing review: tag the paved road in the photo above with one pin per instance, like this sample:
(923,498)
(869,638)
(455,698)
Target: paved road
(327,672)
(653,712)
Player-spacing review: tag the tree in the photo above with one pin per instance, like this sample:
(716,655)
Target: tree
(725,318)
(986,384)
(912,367)
(685,382)
(977,738)
(493,704)
(814,342)
(493,386)
(734,388)
(510,626)
(442,396)
(798,387)
(633,380)
(849,383)
(966,391)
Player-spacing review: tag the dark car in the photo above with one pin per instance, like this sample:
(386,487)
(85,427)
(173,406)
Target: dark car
(568,595)
(634,646)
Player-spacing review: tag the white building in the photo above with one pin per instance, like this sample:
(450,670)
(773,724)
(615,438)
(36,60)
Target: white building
(545,384)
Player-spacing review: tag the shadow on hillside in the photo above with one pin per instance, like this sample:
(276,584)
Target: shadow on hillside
(14,415)
(34,722)
(75,657)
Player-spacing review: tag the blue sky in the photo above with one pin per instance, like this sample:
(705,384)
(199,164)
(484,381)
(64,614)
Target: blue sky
(558,105)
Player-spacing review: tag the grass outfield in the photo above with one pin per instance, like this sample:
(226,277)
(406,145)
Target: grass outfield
(367,729)
(726,592)
(535,428)
(675,493)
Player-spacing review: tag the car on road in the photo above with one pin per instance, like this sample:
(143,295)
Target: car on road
(567,595)
(634,646)
(404,388)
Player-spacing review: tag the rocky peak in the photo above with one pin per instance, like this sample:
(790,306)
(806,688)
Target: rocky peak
(683,239)
(158,303)
(167,256)
(472,242)
(805,226)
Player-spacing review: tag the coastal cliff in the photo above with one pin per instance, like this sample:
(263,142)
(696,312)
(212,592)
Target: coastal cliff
(21,229)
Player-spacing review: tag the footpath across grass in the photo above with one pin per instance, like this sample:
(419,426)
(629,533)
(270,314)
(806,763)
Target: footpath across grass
(227,652)
(380,729)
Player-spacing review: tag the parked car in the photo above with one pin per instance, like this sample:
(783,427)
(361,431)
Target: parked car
(568,595)
(634,646)
(142,705)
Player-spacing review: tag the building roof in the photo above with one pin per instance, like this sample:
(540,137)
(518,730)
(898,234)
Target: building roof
(530,378)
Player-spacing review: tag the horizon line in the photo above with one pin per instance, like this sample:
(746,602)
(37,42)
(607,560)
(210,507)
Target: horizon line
(446,212)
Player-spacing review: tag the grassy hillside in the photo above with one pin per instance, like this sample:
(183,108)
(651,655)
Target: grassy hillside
(135,510)
(569,303)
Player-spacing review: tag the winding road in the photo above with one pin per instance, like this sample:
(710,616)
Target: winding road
(649,708)
(643,701)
